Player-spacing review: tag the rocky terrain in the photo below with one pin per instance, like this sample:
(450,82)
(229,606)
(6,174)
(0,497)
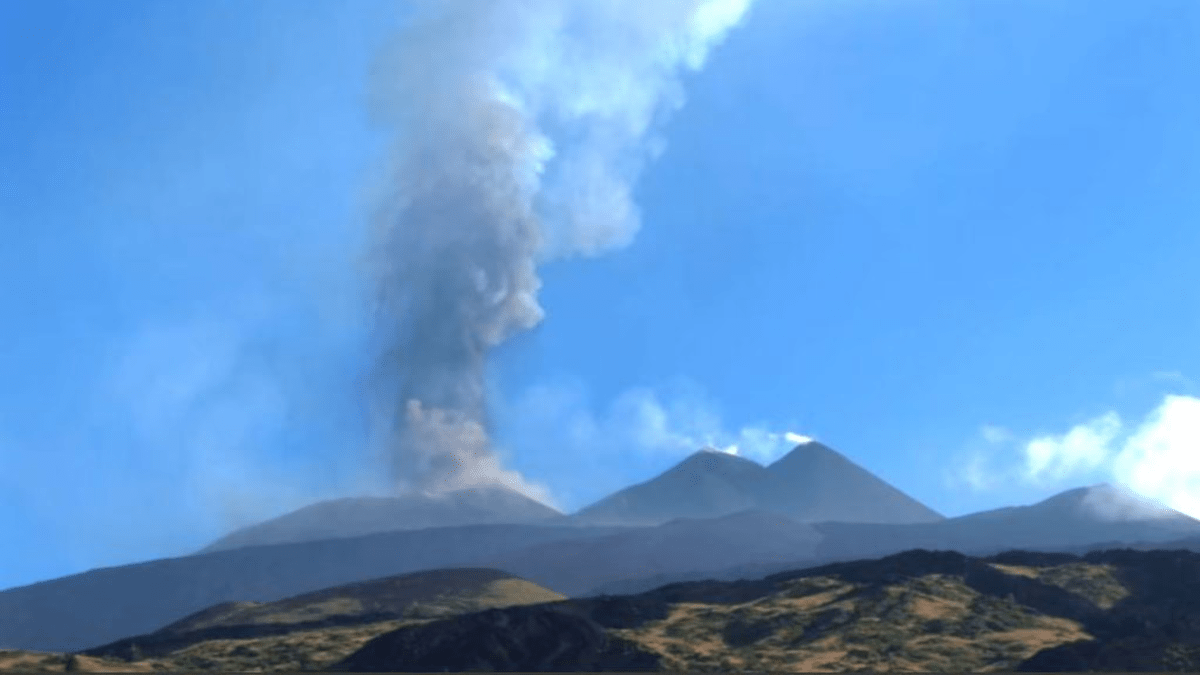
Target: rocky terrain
(915,611)
(921,611)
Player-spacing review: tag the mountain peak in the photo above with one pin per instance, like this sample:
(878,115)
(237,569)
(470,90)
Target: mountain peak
(813,482)
(809,450)
(816,482)
(707,483)
(1106,501)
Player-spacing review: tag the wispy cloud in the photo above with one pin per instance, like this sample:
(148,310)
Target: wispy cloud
(210,404)
(1155,384)
(1084,448)
(995,435)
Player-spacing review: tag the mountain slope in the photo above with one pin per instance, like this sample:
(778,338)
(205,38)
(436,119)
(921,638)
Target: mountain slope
(1075,521)
(367,515)
(96,607)
(694,546)
(322,627)
(816,483)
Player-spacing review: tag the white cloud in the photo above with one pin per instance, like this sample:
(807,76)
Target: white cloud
(1161,459)
(1083,448)
(1158,460)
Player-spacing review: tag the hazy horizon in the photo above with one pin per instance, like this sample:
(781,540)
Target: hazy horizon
(954,242)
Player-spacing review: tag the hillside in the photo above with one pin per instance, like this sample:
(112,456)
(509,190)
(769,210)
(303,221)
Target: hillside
(84,610)
(306,632)
(915,611)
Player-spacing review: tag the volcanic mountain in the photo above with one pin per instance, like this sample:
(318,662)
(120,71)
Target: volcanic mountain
(705,485)
(811,483)
(356,516)
(816,483)
(103,605)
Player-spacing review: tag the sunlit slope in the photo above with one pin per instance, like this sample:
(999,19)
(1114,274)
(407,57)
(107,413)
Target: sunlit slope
(918,611)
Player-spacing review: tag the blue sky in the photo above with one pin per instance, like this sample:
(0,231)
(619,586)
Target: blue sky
(955,241)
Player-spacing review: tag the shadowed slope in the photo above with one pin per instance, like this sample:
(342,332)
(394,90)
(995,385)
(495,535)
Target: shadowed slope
(84,610)
(541,638)
(816,483)
(694,546)
(379,603)
(706,484)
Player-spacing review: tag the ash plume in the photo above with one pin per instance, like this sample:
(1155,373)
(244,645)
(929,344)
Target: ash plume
(520,129)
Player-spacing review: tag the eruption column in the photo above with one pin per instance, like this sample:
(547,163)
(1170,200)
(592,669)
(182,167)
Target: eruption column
(521,126)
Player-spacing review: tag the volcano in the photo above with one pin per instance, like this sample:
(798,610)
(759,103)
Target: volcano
(705,485)
(811,483)
(816,483)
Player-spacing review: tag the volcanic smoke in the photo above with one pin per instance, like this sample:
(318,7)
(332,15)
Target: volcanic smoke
(520,129)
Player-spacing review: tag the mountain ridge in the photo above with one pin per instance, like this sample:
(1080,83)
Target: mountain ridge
(354,516)
(92,608)
(812,482)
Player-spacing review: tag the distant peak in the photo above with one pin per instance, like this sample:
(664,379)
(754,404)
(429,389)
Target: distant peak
(1110,502)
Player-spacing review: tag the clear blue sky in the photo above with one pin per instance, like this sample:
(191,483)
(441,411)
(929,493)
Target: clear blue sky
(959,242)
